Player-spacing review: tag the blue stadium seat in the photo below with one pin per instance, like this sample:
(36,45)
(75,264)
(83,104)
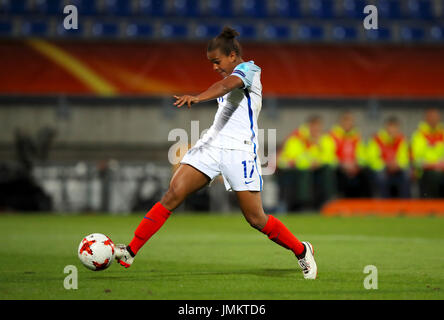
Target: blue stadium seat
(6,28)
(186,8)
(380,34)
(154,8)
(354,8)
(254,8)
(408,33)
(344,33)
(440,13)
(288,8)
(174,30)
(105,29)
(220,8)
(437,33)
(207,30)
(389,9)
(419,9)
(277,32)
(62,32)
(322,9)
(117,7)
(311,32)
(15,7)
(86,7)
(49,7)
(246,31)
(139,30)
(35,28)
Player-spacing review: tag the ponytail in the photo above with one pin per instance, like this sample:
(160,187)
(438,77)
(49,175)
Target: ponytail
(226,42)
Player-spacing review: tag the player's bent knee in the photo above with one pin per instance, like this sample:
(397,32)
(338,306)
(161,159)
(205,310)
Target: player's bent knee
(256,221)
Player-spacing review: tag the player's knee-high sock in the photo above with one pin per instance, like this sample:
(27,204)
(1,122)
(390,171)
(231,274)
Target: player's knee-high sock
(278,232)
(149,225)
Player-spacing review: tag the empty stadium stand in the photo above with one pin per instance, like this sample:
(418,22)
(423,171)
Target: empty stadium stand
(408,21)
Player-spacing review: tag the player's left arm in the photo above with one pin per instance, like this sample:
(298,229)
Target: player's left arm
(217,90)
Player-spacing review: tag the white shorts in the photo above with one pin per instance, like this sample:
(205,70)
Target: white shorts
(241,170)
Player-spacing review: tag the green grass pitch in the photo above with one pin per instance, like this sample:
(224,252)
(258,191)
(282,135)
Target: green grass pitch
(205,257)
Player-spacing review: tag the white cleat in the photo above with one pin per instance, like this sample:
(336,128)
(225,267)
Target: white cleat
(123,256)
(308,263)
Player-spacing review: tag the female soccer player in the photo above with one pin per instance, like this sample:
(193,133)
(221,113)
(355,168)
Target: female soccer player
(228,148)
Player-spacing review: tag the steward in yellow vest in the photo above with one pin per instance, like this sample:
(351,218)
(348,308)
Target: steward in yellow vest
(428,154)
(389,159)
(305,180)
(345,149)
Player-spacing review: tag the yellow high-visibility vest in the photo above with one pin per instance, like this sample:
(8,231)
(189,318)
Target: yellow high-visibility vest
(427,145)
(383,148)
(299,150)
(341,146)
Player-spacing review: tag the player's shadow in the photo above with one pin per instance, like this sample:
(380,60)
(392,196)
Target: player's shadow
(198,273)
(202,273)
(268,272)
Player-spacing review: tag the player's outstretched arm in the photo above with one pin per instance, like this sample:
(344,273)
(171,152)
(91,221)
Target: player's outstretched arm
(217,90)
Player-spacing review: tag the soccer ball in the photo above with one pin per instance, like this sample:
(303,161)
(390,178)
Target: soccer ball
(96,251)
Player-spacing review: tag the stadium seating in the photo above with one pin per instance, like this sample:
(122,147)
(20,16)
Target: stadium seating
(280,20)
(322,9)
(354,9)
(6,27)
(344,33)
(419,9)
(103,29)
(35,28)
(139,30)
(117,7)
(71,33)
(254,8)
(49,7)
(437,33)
(389,9)
(220,8)
(277,32)
(206,30)
(186,8)
(174,30)
(381,34)
(151,8)
(15,7)
(288,9)
(310,32)
(409,33)
(246,31)
(86,7)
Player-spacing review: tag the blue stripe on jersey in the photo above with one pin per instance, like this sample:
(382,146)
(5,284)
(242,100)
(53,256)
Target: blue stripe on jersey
(250,114)
(240,72)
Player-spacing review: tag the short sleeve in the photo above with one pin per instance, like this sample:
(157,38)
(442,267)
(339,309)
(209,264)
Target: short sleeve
(245,71)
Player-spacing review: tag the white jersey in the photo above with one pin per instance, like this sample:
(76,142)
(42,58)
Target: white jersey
(235,124)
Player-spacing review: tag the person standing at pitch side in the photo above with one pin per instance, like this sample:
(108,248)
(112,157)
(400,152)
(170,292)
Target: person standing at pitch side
(229,148)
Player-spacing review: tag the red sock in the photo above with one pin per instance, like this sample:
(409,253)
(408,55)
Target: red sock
(278,232)
(149,225)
